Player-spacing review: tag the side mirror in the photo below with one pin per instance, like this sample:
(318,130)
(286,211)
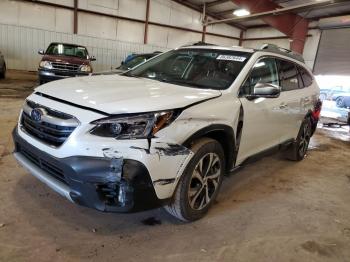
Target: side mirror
(265,90)
(41,52)
(92,58)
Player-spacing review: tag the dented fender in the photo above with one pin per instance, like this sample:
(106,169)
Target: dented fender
(164,161)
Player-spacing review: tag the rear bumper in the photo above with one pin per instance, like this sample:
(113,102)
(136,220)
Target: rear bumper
(51,75)
(111,185)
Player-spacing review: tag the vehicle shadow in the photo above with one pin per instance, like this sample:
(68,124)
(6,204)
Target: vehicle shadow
(267,177)
(52,210)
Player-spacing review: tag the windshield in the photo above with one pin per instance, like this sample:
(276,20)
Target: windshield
(201,68)
(67,50)
(134,62)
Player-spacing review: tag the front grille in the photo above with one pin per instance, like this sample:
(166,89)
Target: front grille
(54,128)
(65,67)
(49,168)
(51,112)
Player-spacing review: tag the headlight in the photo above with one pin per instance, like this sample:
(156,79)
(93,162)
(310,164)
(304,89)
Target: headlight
(45,64)
(134,126)
(85,68)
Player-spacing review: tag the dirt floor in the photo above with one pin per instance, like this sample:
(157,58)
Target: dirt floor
(271,210)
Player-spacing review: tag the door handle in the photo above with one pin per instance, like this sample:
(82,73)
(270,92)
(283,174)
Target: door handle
(306,99)
(283,105)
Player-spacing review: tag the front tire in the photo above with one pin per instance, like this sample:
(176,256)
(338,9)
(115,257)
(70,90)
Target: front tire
(200,182)
(299,148)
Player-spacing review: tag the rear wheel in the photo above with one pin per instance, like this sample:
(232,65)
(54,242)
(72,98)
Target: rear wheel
(340,101)
(299,148)
(200,182)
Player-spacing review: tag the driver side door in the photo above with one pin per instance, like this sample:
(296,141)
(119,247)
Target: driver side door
(262,117)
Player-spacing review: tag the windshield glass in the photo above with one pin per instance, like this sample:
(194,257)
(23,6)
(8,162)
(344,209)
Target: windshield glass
(201,68)
(133,62)
(67,50)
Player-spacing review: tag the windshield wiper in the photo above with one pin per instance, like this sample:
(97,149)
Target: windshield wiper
(183,82)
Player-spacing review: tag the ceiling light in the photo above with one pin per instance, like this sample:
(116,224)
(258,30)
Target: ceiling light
(241,12)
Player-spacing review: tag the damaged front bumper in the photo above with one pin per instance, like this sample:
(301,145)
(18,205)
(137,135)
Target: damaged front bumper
(110,183)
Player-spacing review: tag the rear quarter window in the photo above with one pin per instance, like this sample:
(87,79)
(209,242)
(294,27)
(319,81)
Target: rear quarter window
(289,76)
(305,76)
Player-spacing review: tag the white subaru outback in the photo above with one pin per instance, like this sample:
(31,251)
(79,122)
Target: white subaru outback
(168,130)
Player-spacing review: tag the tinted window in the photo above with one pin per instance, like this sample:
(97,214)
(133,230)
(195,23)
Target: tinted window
(307,78)
(67,50)
(288,76)
(263,72)
(199,68)
(133,62)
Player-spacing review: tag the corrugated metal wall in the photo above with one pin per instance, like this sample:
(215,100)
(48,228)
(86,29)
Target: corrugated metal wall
(20,46)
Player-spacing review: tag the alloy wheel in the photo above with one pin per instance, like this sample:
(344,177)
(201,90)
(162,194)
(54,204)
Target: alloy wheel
(204,181)
(304,139)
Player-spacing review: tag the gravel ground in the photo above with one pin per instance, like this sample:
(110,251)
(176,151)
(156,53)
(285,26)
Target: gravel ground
(271,210)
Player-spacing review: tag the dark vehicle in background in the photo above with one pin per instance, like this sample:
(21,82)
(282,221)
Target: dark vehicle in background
(2,66)
(342,99)
(61,60)
(134,60)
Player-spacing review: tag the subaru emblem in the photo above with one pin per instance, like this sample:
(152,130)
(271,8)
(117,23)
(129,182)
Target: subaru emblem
(36,114)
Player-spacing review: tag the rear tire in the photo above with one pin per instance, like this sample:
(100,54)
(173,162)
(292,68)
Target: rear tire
(298,149)
(200,183)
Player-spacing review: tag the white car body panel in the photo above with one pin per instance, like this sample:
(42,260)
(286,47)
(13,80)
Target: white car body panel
(265,123)
(116,94)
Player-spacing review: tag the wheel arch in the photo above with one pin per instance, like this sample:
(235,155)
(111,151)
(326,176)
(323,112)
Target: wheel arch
(224,134)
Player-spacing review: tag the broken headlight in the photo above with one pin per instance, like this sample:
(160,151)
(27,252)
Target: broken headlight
(133,126)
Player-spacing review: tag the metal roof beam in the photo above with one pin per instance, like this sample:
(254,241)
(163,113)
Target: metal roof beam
(217,2)
(213,15)
(280,18)
(282,10)
(225,12)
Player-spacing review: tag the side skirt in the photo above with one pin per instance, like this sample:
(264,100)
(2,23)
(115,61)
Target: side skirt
(267,152)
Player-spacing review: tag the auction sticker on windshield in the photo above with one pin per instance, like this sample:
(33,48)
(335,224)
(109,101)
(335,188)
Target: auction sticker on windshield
(231,58)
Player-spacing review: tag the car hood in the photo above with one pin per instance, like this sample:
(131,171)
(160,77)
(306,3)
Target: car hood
(115,94)
(66,59)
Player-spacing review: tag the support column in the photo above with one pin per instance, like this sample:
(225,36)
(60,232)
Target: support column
(203,21)
(241,38)
(145,39)
(75,26)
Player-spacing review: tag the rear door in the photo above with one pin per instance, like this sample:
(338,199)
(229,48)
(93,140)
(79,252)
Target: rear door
(296,98)
(291,95)
(262,117)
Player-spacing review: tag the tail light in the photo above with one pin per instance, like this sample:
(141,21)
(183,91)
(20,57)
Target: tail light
(317,110)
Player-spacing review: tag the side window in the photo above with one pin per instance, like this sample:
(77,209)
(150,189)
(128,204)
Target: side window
(264,72)
(288,76)
(307,78)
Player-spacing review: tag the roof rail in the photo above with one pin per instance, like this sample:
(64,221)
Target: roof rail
(283,51)
(199,43)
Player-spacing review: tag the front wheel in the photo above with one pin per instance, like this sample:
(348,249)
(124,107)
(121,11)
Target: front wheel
(299,148)
(200,182)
